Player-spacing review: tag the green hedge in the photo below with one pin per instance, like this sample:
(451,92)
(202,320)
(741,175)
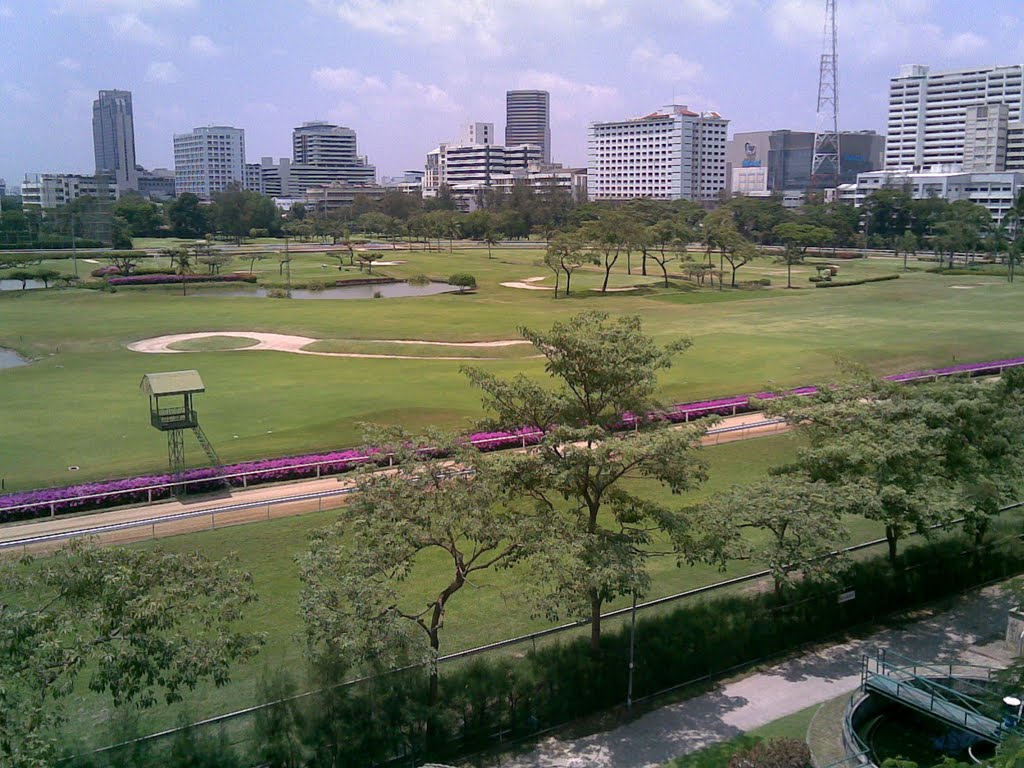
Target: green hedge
(503,697)
(843,283)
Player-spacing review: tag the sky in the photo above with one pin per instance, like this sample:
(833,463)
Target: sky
(407,74)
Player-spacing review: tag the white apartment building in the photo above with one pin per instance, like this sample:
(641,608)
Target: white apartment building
(475,165)
(928,114)
(542,178)
(47,191)
(995,191)
(668,155)
(209,159)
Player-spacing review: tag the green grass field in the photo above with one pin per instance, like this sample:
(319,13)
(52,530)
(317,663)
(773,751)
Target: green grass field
(78,403)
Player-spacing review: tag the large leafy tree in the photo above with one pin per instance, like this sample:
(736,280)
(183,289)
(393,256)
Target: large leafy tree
(800,527)
(139,625)
(881,450)
(187,216)
(798,238)
(356,598)
(598,533)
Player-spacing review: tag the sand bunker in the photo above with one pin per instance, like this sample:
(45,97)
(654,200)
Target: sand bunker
(279,342)
(527,283)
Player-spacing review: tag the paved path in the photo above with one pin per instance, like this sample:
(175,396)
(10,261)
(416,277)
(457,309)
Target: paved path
(965,633)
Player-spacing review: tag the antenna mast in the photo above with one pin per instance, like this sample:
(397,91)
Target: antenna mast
(825,170)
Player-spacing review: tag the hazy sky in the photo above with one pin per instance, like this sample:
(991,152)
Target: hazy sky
(406,74)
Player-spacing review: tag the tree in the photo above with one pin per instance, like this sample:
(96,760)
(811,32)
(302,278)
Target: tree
(597,533)
(564,253)
(606,239)
(879,449)
(354,571)
(798,238)
(141,216)
(215,260)
(665,237)
(368,257)
(21,275)
(463,280)
(257,256)
(738,253)
(908,244)
(802,527)
(239,210)
(125,261)
(187,216)
(983,449)
(139,625)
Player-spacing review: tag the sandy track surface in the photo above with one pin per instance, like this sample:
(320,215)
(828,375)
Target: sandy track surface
(280,342)
(162,520)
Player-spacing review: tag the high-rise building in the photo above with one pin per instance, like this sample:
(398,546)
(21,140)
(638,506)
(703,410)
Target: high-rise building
(113,138)
(48,191)
(208,160)
(928,114)
(528,120)
(761,162)
(668,155)
(331,148)
(470,167)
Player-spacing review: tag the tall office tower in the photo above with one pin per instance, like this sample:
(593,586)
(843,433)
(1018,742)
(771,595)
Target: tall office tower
(674,154)
(528,120)
(113,138)
(207,160)
(928,112)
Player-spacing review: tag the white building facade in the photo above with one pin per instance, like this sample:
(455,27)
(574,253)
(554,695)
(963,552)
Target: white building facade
(47,191)
(928,114)
(674,154)
(475,166)
(208,160)
(995,191)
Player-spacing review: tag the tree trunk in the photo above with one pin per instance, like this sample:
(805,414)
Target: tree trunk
(664,271)
(892,539)
(643,265)
(629,262)
(789,272)
(607,273)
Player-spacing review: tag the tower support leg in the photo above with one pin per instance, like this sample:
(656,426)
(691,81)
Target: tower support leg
(176,460)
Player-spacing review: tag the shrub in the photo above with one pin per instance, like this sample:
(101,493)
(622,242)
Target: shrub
(166,279)
(378,295)
(316,286)
(105,271)
(843,283)
(419,280)
(462,280)
(277,293)
(774,753)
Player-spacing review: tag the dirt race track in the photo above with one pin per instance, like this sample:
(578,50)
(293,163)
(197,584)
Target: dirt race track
(268,502)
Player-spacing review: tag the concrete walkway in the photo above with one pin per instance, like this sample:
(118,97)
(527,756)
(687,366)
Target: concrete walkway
(969,632)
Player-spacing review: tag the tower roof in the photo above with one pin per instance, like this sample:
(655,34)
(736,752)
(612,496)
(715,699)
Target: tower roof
(172,383)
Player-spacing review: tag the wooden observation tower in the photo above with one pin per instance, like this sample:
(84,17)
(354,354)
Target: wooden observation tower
(171,411)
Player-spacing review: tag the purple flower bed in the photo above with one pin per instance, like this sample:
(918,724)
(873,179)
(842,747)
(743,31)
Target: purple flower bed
(39,503)
(169,279)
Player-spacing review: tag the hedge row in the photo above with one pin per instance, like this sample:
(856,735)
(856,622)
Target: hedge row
(844,283)
(165,279)
(559,683)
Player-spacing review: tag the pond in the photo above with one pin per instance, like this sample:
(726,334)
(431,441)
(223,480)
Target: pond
(386,291)
(15,285)
(10,359)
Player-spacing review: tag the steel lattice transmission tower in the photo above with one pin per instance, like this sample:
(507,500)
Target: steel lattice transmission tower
(825,162)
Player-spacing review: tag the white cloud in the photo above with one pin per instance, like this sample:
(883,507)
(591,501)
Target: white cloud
(6,12)
(669,67)
(71,65)
(128,26)
(162,72)
(397,92)
(571,100)
(489,27)
(711,11)
(16,93)
(109,6)
(201,45)
(899,30)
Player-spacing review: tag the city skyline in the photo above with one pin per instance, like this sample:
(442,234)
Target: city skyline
(407,75)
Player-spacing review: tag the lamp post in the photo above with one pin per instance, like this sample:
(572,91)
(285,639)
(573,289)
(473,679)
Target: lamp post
(288,266)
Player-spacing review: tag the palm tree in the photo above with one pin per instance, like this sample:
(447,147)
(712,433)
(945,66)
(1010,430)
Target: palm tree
(491,238)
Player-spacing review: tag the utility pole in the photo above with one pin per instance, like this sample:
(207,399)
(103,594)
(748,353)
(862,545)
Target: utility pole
(74,248)
(825,164)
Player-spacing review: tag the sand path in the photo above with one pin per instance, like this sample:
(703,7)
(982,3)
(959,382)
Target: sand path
(280,342)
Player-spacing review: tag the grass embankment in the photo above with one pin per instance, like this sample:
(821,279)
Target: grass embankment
(78,404)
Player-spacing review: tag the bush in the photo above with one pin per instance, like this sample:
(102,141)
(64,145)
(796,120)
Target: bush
(462,280)
(843,283)
(165,279)
(774,753)
(316,286)
(277,293)
(105,271)
(418,280)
